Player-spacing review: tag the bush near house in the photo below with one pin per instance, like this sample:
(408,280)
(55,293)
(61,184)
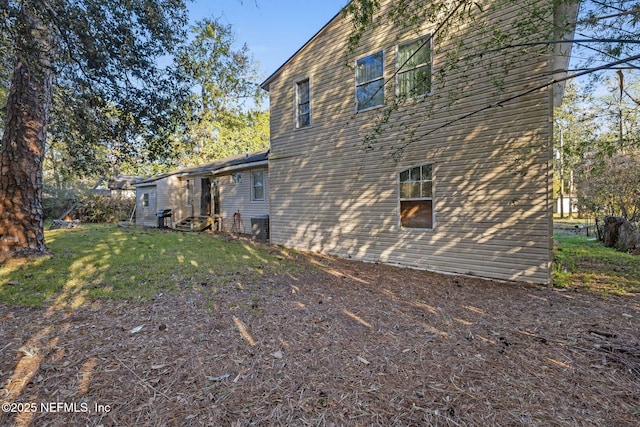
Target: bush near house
(617,232)
(98,208)
(93,208)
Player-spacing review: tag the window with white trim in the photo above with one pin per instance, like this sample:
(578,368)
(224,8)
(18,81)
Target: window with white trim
(416,197)
(257,188)
(414,68)
(303,104)
(370,81)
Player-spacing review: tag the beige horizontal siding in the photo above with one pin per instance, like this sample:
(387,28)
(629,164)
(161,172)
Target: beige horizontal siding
(165,193)
(146,215)
(237,198)
(176,197)
(491,170)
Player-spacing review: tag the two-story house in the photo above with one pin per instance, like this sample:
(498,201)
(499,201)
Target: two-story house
(398,152)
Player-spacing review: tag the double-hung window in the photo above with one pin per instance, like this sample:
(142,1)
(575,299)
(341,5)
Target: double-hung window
(370,81)
(303,104)
(257,189)
(416,197)
(414,68)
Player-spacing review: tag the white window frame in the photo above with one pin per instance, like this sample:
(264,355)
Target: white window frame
(296,109)
(253,186)
(399,71)
(416,198)
(358,85)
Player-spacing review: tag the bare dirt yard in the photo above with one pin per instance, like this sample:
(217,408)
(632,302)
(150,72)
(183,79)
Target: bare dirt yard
(340,343)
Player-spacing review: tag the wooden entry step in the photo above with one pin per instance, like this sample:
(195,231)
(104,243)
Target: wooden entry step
(195,223)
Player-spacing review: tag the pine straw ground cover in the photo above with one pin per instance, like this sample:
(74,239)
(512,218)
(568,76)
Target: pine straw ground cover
(337,343)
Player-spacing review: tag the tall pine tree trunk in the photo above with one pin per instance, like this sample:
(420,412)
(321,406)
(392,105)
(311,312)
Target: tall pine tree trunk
(23,143)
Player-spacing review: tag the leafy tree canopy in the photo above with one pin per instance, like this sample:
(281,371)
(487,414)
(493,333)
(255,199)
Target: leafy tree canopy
(223,114)
(226,76)
(100,58)
(109,90)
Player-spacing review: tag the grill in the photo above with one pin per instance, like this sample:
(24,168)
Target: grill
(163,214)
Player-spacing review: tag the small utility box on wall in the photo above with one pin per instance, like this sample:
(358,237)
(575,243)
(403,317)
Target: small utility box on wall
(260,227)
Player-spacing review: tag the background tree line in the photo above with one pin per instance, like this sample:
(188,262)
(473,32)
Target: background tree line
(597,147)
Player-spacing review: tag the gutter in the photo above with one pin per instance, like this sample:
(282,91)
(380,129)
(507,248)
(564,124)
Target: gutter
(241,166)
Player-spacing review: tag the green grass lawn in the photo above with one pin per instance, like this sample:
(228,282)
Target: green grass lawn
(105,261)
(583,262)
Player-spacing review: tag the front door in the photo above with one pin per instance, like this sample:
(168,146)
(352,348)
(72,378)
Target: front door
(205,199)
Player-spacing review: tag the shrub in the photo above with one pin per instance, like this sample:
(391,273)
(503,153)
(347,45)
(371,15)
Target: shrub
(611,186)
(617,232)
(56,201)
(98,208)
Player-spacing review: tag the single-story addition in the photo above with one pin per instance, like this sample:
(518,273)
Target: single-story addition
(225,194)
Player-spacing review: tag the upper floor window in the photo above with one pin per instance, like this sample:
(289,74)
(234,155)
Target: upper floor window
(370,81)
(257,189)
(414,68)
(416,197)
(303,104)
